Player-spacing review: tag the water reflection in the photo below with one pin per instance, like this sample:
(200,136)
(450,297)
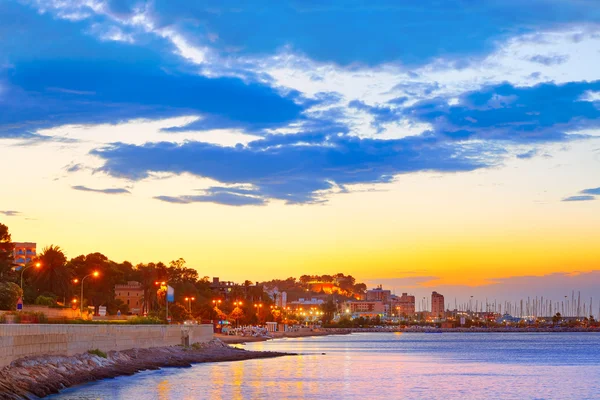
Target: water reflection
(412,366)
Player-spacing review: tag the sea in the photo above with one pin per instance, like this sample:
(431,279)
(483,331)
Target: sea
(382,366)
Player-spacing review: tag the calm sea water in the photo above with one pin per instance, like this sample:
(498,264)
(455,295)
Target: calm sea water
(386,366)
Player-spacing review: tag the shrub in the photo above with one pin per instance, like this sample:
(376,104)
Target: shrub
(145,321)
(44,301)
(9,295)
(28,317)
(98,353)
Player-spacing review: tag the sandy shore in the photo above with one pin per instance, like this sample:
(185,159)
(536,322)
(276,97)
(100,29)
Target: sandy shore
(41,376)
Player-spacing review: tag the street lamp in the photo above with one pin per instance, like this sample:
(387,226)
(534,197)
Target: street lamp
(189,300)
(37,265)
(216,303)
(161,284)
(95,275)
(236,304)
(258,308)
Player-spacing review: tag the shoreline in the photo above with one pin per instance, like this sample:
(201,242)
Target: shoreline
(235,339)
(47,375)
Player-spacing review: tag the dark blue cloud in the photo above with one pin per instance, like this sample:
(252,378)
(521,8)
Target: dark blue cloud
(57,74)
(542,113)
(349,31)
(220,195)
(592,191)
(294,168)
(579,198)
(105,191)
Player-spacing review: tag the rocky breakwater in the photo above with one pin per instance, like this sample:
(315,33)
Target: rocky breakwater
(36,377)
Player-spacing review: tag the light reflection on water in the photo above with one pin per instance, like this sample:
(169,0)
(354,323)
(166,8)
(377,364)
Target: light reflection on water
(383,365)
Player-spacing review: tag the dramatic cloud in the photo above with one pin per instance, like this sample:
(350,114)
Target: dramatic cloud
(105,191)
(409,31)
(295,168)
(542,113)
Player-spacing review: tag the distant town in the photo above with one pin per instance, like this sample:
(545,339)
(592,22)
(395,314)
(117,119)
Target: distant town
(46,286)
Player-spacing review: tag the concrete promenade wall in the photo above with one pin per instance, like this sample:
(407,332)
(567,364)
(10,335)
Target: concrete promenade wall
(23,340)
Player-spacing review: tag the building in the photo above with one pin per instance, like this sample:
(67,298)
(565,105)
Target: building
(222,288)
(23,253)
(305,304)
(378,294)
(406,305)
(132,294)
(279,298)
(437,305)
(361,308)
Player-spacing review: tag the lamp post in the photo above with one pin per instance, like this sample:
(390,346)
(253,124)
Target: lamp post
(95,275)
(236,304)
(161,284)
(258,308)
(189,300)
(37,265)
(216,303)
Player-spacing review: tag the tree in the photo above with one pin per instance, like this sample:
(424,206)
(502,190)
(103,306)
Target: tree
(179,313)
(236,314)
(6,253)
(556,318)
(9,295)
(54,276)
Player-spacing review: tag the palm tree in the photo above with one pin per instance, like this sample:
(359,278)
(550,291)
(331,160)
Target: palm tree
(54,276)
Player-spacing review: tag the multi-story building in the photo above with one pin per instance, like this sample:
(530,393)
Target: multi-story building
(363,308)
(406,305)
(222,288)
(305,304)
(132,294)
(437,305)
(378,294)
(23,253)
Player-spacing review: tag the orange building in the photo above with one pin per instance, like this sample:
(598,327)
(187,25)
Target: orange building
(406,305)
(23,253)
(131,294)
(437,305)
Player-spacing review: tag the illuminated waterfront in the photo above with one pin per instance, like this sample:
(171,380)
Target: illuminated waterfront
(384,365)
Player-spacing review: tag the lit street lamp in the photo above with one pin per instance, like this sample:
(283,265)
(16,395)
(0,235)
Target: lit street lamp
(161,284)
(216,303)
(258,308)
(189,300)
(95,275)
(37,265)
(237,304)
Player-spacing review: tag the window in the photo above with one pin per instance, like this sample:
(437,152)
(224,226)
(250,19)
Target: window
(127,301)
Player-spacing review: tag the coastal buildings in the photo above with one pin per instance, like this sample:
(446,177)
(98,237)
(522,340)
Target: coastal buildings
(379,294)
(363,308)
(437,305)
(131,294)
(406,305)
(23,253)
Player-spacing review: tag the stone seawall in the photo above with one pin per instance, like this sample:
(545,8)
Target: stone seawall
(22,340)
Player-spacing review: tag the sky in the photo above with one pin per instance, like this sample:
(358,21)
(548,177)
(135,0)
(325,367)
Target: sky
(423,145)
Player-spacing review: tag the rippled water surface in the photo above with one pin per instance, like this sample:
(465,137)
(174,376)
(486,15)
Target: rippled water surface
(383,365)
